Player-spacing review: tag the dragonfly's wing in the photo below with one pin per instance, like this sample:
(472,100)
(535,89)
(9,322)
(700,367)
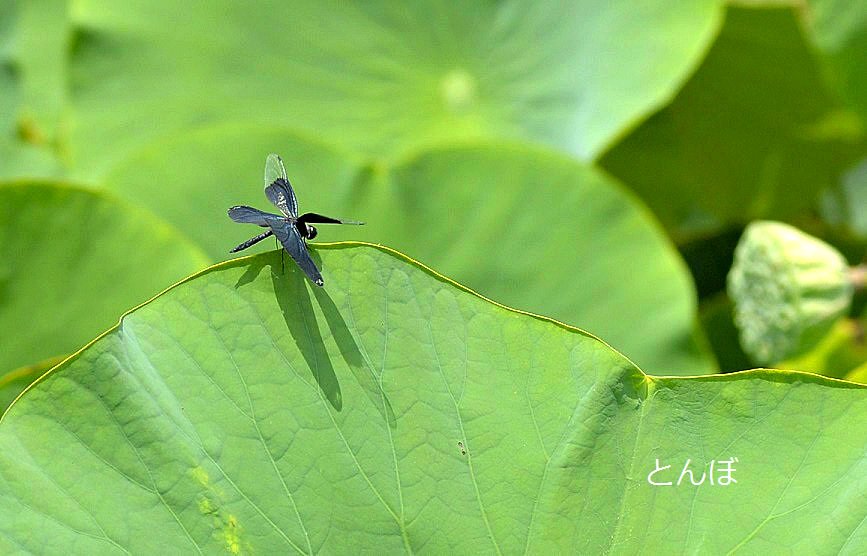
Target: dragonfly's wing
(314,218)
(277,186)
(287,233)
(274,169)
(280,193)
(249,215)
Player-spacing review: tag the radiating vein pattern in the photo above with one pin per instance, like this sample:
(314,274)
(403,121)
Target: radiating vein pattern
(247,411)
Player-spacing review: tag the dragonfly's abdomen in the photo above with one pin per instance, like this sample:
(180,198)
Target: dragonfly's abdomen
(252,241)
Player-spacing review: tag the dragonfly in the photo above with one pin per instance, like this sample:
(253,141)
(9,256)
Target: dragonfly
(291,230)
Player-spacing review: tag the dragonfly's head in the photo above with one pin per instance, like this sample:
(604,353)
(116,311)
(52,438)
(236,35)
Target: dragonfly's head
(311,231)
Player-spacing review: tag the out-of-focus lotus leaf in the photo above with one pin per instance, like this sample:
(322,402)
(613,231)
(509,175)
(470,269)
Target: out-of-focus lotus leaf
(837,355)
(846,204)
(71,261)
(839,28)
(858,374)
(391,411)
(33,42)
(751,135)
(15,381)
(523,226)
(377,77)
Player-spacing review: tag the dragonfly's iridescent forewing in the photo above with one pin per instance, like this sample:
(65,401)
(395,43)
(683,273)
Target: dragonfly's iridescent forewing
(286,232)
(277,186)
(249,215)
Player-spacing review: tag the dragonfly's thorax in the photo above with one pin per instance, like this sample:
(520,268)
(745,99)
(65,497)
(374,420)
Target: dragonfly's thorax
(306,230)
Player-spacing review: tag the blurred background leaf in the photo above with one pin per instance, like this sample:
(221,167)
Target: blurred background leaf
(378,77)
(71,261)
(845,205)
(839,354)
(32,86)
(755,133)
(839,29)
(15,381)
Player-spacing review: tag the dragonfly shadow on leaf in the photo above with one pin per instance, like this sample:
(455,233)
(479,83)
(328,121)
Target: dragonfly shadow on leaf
(358,364)
(293,297)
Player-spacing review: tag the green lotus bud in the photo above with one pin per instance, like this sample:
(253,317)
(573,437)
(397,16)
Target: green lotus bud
(788,288)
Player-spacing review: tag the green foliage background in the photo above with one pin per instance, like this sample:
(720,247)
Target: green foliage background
(590,161)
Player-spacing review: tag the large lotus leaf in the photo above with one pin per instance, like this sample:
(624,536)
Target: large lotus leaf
(392,411)
(839,28)
(751,135)
(71,261)
(378,77)
(530,228)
